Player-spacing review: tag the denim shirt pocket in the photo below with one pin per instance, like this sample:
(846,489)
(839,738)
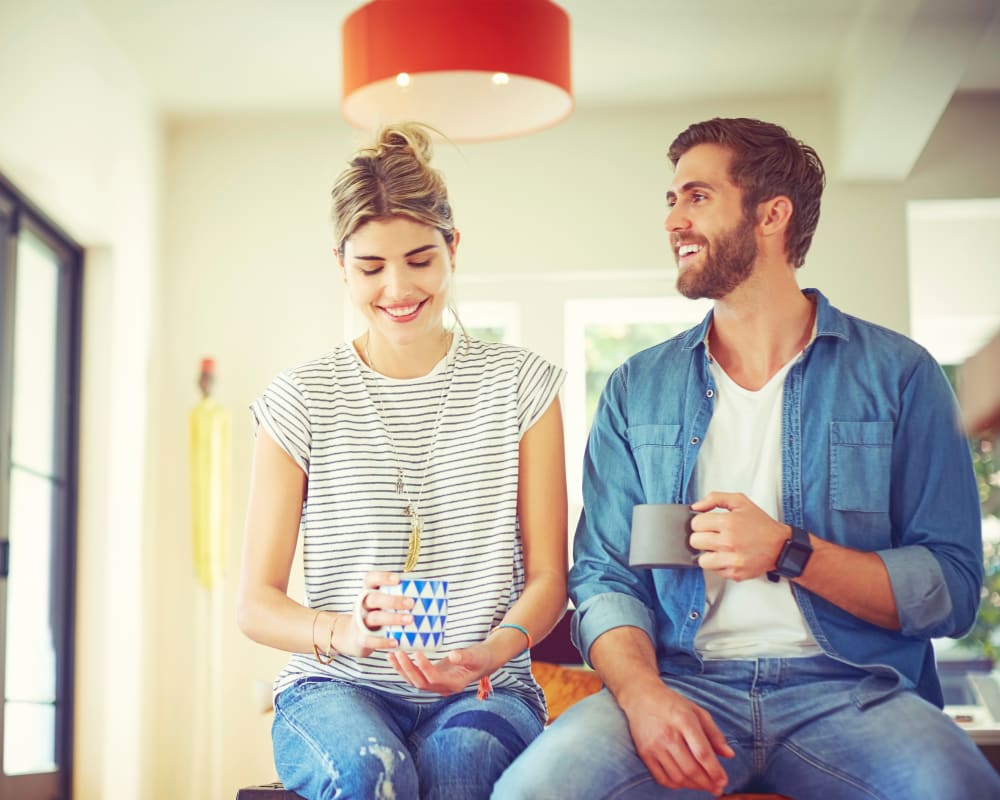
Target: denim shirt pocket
(860,465)
(658,455)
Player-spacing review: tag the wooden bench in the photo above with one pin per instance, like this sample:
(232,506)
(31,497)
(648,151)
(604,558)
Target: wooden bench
(275,791)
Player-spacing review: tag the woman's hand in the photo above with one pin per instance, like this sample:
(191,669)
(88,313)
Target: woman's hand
(451,674)
(374,609)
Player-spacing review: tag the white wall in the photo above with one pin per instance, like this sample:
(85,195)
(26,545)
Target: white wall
(247,279)
(79,137)
(954,233)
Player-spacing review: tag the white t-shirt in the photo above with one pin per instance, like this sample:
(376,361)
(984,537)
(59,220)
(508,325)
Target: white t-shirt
(325,415)
(742,453)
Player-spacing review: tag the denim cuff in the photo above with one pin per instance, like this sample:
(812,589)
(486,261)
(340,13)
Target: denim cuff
(918,585)
(605,611)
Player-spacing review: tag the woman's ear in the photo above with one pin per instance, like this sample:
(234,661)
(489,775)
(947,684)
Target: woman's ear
(453,247)
(340,263)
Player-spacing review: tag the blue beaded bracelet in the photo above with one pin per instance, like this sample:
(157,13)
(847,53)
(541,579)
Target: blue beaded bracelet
(516,628)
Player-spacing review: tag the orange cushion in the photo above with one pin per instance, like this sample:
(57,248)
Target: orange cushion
(563,686)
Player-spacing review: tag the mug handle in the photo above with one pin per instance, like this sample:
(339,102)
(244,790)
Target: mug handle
(359,613)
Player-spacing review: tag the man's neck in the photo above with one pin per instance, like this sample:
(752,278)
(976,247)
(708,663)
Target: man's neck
(760,327)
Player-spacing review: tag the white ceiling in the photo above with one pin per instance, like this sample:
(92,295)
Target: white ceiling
(210,56)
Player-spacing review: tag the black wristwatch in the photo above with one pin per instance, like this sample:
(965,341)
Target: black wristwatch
(793,557)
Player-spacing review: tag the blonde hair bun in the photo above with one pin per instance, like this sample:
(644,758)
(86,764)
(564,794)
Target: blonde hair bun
(392,177)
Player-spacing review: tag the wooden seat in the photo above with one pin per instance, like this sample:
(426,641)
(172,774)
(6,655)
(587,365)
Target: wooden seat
(275,791)
(266,791)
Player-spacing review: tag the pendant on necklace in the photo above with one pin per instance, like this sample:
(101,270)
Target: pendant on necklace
(399,482)
(413,550)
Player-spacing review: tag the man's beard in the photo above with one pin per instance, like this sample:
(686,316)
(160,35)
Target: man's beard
(728,262)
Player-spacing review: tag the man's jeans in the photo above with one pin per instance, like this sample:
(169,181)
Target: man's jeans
(809,728)
(337,740)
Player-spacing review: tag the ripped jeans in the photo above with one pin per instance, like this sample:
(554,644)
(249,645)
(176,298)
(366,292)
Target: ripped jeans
(334,739)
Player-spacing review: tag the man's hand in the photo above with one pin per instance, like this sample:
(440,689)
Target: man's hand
(746,542)
(740,545)
(676,739)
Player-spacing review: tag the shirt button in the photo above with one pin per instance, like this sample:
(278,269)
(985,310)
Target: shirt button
(709,393)
(695,440)
(694,615)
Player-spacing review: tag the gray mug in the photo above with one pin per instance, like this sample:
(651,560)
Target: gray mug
(661,536)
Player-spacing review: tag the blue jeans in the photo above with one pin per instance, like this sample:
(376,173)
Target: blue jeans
(337,740)
(808,728)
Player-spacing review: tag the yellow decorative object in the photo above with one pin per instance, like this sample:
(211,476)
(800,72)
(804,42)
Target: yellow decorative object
(209,425)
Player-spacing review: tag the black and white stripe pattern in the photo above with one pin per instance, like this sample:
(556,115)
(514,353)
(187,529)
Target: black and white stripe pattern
(323,415)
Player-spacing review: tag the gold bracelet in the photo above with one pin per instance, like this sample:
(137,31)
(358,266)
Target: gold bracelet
(330,653)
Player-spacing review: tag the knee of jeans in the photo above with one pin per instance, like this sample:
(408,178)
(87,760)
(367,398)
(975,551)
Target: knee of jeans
(471,729)
(380,771)
(469,751)
(957,780)
(388,770)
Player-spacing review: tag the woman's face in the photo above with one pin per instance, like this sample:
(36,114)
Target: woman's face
(398,273)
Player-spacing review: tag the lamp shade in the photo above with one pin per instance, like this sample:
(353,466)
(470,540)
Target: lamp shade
(474,69)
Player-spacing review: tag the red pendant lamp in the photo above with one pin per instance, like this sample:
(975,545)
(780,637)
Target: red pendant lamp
(474,69)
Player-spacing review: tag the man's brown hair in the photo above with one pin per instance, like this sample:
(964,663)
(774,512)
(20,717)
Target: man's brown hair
(767,161)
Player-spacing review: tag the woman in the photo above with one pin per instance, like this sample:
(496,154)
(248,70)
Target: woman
(411,451)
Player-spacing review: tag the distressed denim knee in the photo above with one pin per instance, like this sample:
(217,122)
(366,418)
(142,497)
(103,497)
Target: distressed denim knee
(332,740)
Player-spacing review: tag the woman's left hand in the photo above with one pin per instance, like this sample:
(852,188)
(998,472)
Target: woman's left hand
(451,674)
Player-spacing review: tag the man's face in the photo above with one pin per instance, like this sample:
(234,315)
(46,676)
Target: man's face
(713,240)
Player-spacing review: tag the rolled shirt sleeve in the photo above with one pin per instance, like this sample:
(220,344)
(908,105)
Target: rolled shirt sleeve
(936,565)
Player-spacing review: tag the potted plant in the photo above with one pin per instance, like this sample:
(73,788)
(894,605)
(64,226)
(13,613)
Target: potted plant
(984,638)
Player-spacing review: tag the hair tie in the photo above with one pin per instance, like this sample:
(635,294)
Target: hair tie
(516,628)
(485,687)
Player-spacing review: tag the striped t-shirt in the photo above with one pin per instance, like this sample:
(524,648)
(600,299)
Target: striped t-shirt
(326,415)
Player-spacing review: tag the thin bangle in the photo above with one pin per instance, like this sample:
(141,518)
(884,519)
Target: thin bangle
(516,628)
(330,654)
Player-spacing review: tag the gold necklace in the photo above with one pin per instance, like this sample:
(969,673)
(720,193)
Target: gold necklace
(412,509)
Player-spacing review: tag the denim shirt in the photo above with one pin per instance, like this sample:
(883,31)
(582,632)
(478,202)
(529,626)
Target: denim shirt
(873,459)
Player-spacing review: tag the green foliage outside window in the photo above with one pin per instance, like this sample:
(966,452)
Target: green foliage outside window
(983,638)
(609,344)
(487,334)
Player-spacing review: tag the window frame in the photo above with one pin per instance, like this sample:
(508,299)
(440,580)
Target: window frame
(18,214)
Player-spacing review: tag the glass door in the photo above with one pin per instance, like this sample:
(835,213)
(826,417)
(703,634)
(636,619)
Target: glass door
(39,276)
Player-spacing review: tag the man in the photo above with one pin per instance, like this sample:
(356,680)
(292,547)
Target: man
(839,521)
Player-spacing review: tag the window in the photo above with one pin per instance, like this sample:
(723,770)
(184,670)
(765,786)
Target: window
(600,335)
(491,322)
(39,357)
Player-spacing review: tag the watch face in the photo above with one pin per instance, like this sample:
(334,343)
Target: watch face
(794,558)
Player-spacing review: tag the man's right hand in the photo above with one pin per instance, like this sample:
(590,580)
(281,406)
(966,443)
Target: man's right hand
(676,739)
